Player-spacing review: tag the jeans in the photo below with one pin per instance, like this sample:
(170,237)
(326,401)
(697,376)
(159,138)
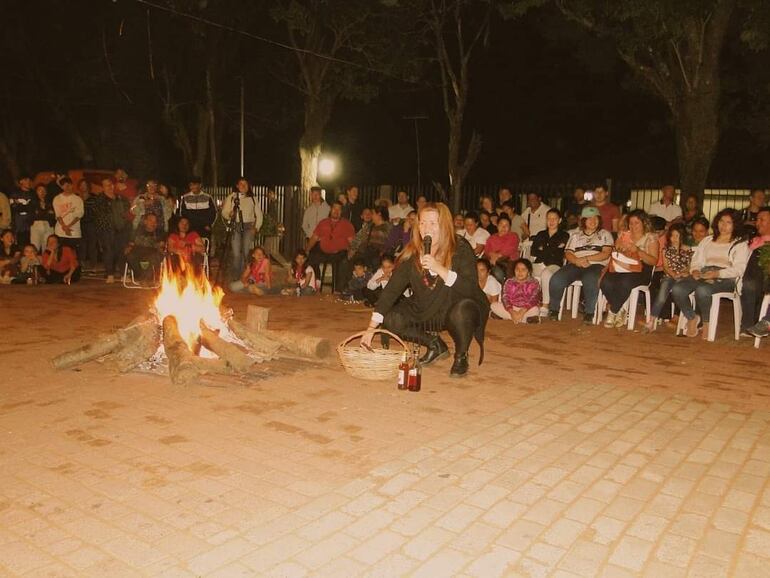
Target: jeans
(39,233)
(241,245)
(751,299)
(667,285)
(703,292)
(566,276)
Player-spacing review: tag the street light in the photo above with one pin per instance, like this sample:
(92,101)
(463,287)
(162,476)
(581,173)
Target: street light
(327,167)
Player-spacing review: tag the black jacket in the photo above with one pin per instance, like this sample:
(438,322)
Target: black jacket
(549,250)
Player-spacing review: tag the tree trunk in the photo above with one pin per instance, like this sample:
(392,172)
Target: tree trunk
(317,113)
(213,161)
(696,126)
(453,162)
(201,141)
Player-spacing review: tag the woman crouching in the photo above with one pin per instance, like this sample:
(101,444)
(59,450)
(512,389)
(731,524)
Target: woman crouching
(445,292)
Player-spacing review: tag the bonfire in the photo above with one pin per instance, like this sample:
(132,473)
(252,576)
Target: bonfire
(187,333)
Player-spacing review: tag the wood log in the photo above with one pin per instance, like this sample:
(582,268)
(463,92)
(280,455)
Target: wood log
(181,362)
(139,342)
(230,352)
(103,345)
(262,346)
(256,317)
(305,345)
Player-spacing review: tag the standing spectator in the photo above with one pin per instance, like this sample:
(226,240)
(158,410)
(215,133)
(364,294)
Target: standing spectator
(125,187)
(113,227)
(753,283)
(330,242)
(400,235)
(521,295)
(69,210)
(666,208)
(587,253)
(749,214)
(52,181)
(60,262)
(534,214)
(574,207)
(244,225)
(548,254)
(146,247)
(692,212)
(169,205)
(474,234)
(352,209)
(199,208)
(43,218)
(717,263)
(20,200)
(502,248)
(676,266)
(88,253)
(5,211)
(632,261)
(609,212)
(518,225)
(315,212)
(149,202)
(401,209)
(487,203)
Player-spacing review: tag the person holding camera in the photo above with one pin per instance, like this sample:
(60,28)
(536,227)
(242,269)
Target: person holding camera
(244,216)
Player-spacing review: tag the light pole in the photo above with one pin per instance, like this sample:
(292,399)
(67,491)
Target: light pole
(417,119)
(243,129)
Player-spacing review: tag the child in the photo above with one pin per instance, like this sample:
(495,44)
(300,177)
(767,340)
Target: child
(301,276)
(521,295)
(379,280)
(257,277)
(9,256)
(357,283)
(29,267)
(489,285)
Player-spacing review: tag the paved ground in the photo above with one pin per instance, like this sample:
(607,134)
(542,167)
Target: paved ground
(571,452)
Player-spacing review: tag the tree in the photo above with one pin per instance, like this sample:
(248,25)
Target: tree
(674,49)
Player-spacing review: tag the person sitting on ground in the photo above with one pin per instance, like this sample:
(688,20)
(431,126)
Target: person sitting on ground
(666,208)
(400,235)
(518,225)
(675,267)
(548,254)
(485,222)
(754,283)
(199,207)
(59,263)
(301,279)
(535,213)
(29,267)
(357,282)
(716,265)
(587,253)
(379,280)
(475,235)
(489,285)
(330,243)
(185,246)
(609,212)
(698,231)
(630,265)
(10,255)
(401,209)
(502,248)
(257,276)
(521,295)
(144,253)
(691,213)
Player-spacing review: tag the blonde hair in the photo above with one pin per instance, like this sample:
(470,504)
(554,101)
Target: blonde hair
(445,246)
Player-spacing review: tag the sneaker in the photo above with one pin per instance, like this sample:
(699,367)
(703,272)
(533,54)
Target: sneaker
(544,311)
(588,318)
(761,329)
(609,322)
(621,318)
(553,315)
(110,279)
(535,319)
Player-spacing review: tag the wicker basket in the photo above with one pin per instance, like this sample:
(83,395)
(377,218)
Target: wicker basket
(372,365)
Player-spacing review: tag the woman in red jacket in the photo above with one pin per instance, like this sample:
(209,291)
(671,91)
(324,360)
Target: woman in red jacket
(60,263)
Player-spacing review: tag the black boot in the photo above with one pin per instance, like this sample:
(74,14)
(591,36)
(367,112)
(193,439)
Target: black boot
(437,349)
(460,366)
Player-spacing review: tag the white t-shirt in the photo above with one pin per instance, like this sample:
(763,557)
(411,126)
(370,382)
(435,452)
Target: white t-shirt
(68,207)
(375,281)
(398,212)
(535,220)
(492,286)
(478,238)
(671,212)
(583,245)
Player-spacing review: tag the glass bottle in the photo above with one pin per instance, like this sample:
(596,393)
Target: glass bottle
(403,372)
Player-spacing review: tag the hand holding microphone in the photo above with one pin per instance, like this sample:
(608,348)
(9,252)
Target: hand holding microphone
(427,259)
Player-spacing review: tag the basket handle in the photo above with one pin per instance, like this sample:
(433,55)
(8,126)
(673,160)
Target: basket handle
(344,342)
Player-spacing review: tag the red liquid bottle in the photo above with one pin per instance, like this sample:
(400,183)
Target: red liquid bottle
(403,372)
(415,377)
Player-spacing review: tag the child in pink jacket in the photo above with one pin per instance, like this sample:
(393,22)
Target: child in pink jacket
(521,295)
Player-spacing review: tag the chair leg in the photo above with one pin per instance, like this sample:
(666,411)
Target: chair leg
(737,317)
(633,303)
(648,306)
(575,300)
(568,297)
(564,301)
(713,318)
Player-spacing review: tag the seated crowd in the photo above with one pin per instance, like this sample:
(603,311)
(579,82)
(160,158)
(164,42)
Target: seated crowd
(527,263)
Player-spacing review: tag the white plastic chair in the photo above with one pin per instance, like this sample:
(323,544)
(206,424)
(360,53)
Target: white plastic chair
(762,312)
(716,298)
(525,249)
(130,282)
(571,298)
(633,302)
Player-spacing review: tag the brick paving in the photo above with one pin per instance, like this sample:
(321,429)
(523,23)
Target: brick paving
(565,471)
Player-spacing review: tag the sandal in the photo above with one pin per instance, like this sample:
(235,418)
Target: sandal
(692,327)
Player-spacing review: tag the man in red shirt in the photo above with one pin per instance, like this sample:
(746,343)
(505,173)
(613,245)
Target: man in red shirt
(330,242)
(609,211)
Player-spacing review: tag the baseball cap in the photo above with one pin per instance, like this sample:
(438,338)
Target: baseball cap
(589,212)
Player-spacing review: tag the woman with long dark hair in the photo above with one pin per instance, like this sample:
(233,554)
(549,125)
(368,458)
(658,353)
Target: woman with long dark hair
(242,213)
(59,262)
(445,292)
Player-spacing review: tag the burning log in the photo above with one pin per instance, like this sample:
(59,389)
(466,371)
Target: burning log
(181,362)
(231,353)
(138,343)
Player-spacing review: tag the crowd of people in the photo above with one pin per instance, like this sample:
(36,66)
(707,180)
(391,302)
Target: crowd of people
(526,261)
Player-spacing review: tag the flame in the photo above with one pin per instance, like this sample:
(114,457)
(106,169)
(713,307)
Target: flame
(191,299)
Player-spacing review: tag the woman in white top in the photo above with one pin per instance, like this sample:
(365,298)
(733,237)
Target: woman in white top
(475,235)
(489,285)
(717,264)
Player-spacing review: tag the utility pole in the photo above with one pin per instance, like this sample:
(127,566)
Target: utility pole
(243,130)
(417,119)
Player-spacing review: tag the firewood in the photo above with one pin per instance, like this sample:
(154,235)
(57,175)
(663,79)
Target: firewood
(305,345)
(230,352)
(261,345)
(181,362)
(139,342)
(256,317)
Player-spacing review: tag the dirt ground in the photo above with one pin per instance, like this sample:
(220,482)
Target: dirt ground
(109,474)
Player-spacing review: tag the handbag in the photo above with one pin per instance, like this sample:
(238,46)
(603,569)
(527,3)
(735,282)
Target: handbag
(620,263)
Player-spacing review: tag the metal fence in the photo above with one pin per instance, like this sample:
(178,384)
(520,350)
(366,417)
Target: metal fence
(284,205)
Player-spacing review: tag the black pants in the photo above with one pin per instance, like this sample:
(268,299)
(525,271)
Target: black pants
(140,255)
(89,248)
(54,277)
(462,321)
(617,287)
(317,257)
(752,293)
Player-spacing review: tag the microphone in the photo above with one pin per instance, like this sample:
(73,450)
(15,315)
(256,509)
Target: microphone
(426,246)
